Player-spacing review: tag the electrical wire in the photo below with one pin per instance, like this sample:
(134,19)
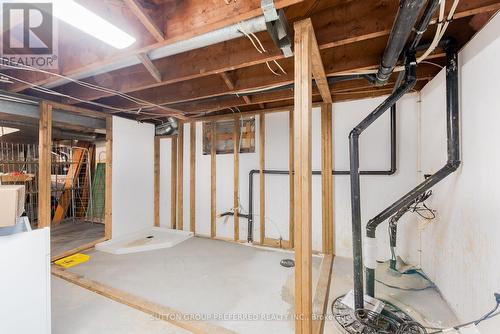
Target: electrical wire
(130,98)
(55,93)
(440,30)
(260,48)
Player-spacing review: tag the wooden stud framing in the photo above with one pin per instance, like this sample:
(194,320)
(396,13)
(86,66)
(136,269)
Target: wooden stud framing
(290,164)
(108,203)
(44,164)
(236,179)
(262,176)
(157,181)
(173,184)
(213,181)
(192,177)
(302,177)
(180,178)
(326,178)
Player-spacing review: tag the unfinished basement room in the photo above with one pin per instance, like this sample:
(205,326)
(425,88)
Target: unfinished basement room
(249,166)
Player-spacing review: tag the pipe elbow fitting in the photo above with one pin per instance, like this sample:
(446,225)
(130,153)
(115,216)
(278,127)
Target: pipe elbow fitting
(354,133)
(454,165)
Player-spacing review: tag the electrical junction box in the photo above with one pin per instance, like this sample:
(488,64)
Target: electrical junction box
(11,204)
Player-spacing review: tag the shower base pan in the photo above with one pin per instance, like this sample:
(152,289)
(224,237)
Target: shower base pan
(145,240)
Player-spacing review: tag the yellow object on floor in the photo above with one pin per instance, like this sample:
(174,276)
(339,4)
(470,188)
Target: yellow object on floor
(72,260)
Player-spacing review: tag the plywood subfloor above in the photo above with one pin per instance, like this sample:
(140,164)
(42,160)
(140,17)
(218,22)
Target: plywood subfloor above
(208,278)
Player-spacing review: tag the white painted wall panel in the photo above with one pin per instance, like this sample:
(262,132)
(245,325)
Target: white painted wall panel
(25,282)
(460,248)
(165,182)
(133,180)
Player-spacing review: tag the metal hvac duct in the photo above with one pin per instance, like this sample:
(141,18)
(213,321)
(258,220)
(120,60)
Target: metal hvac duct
(253,25)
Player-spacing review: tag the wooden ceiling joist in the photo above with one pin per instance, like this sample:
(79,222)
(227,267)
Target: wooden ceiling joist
(148,64)
(356,21)
(146,19)
(183,22)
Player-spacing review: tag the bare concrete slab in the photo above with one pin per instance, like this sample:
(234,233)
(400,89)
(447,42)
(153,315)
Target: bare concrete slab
(208,279)
(70,235)
(79,311)
(426,306)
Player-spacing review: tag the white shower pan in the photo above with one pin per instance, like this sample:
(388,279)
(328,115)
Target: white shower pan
(145,240)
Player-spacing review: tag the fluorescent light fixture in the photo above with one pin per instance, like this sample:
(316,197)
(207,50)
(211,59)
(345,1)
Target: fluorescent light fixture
(81,18)
(5,130)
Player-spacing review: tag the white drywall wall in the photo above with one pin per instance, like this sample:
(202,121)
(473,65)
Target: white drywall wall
(375,154)
(165,182)
(25,282)
(133,181)
(459,249)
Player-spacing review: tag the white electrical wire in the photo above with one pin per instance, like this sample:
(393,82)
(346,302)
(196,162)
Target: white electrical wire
(440,30)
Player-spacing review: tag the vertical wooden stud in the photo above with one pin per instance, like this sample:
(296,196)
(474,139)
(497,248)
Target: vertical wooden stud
(290,163)
(173,184)
(180,178)
(157,181)
(44,164)
(302,177)
(326,177)
(262,178)
(331,192)
(192,177)
(213,180)
(236,180)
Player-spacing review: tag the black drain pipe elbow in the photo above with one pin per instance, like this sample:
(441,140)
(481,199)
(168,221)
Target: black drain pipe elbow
(406,18)
(452,164)
(357,246)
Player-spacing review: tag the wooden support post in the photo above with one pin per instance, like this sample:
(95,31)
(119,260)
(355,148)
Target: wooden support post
(290,164)
(108,192)
(331,244)
(326,177)
(173,184)
(192,177)
(44,164)
(157,181)
(213,180)
(180,178)
(303,176)
(236,180)
(262,167)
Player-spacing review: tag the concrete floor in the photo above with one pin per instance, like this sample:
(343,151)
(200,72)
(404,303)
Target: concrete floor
(207,277)
(426,306)
(69,235)
(79,311)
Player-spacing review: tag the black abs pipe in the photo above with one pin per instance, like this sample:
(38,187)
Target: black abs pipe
(410,72)
(453,148)
(406,18)
(391,171)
